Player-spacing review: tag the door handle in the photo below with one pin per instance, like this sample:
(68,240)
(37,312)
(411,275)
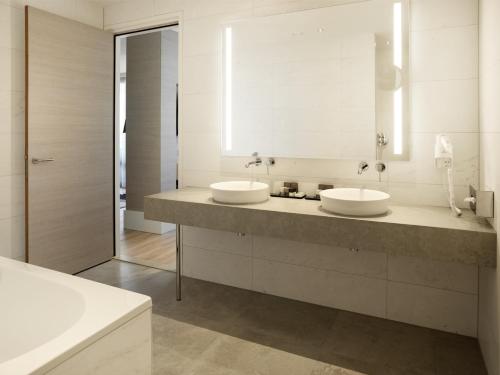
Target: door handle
(38,161)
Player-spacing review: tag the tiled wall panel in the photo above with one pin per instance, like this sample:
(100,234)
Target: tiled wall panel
(444,97)
(439,295)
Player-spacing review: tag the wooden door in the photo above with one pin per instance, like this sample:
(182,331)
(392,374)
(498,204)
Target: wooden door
(69,143)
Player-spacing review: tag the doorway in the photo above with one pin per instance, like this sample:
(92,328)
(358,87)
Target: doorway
(146,142)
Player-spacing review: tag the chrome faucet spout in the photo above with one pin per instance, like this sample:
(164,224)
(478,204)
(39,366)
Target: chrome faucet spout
(254,163)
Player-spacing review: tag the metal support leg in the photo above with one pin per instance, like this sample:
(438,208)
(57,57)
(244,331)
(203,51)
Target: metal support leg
(178,261)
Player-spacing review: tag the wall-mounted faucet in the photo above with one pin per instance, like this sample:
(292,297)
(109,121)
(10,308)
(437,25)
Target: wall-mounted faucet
(382,139)
(380,166)
(256,162)
(382,142)
(362,167)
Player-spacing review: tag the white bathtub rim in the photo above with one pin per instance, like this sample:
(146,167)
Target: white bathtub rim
(92,326)
(64,356)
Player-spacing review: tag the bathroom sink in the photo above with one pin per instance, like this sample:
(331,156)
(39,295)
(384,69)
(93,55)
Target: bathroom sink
(355,202)
(240,192)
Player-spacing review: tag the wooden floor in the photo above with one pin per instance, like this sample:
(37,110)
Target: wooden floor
(153,250)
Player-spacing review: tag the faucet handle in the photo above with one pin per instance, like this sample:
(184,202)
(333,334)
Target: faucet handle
(362,167)
(255,154)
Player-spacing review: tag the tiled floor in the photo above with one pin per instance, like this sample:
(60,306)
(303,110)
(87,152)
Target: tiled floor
(223,330)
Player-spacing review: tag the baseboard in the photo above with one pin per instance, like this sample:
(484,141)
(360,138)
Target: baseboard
(135,220)
(147,263)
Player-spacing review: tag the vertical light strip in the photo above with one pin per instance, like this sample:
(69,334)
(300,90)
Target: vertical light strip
(228,92)
(398,121)
(398,62)
(397,35)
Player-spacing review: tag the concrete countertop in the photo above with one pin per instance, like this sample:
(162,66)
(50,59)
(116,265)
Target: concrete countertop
(424,231)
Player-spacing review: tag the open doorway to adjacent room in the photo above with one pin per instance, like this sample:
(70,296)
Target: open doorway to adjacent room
(146,142)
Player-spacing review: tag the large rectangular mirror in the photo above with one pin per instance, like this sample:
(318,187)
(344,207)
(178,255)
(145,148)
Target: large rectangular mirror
(319,83)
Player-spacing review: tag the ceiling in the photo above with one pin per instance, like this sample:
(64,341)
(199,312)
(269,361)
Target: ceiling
(106,2)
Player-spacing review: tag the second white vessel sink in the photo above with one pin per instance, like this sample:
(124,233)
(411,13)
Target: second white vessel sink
(240,192)
(355,202)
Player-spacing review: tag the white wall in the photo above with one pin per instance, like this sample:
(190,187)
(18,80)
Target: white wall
(445,99)
(12,109)
(444,55)
(489,306)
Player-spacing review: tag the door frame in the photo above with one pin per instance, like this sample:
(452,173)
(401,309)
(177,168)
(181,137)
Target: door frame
(150,23)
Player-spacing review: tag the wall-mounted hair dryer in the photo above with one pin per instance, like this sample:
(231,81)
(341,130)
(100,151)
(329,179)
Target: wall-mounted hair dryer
(443,151)
(443,158)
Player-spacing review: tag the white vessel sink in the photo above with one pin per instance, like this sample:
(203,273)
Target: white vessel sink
(240,192)
(355,202)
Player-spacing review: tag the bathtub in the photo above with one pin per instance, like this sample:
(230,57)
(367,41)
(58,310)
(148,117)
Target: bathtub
(54,323)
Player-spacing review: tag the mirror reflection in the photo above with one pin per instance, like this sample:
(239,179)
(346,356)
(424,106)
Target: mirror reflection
(318,84)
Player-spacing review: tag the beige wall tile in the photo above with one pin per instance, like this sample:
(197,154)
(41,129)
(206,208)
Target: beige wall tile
(433,308)
(327,288)
(127,11)
(199,9)
(367,263)
(444,275)
(11,154)
(12,235)
(445,54)
(200,113)
(421,169)
(5,111)
(207,155)
(414,193)
(489,284)
(11,196)
(202,35)
(169,6)
(489,92)
(217,267)
(432,14)
(89,13)
(11,27)
(227,242)
(432,101)
(202,76)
